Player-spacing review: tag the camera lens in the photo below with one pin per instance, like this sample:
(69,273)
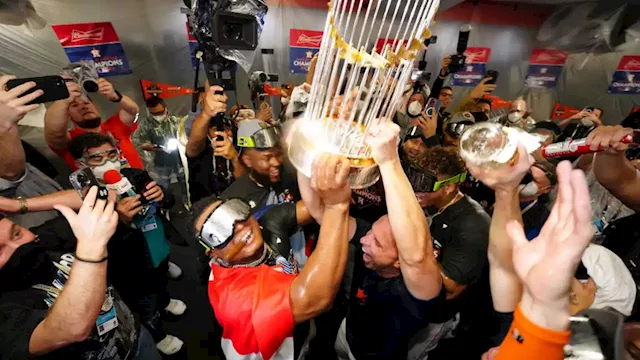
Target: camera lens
(90,86)
(232,31)
(82,179)
(263,77)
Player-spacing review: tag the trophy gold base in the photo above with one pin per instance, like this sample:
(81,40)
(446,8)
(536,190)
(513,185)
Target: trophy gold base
(302,153)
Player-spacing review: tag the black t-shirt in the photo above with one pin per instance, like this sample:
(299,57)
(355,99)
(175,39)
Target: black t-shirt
(115,335)
(460,241)
(286,191)
(383,315)
(278,223)
(203,180)
(368,204)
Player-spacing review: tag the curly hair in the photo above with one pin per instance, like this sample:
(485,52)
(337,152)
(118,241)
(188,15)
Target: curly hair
(81,143)
(442,161)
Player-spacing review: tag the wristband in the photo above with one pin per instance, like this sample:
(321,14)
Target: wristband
(91,261)
(119,96)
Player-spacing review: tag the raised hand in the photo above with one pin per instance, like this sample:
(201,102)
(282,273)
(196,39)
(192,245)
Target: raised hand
(547,264)
(445,66)
(482,88)
(74,89)
(383,140)
(214,103)
(93,225)
(429,124)
(329,179)
(224,147)
(507,177)
(106,89)
(13,105)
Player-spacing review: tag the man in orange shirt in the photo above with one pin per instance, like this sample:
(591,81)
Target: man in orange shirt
(86,118)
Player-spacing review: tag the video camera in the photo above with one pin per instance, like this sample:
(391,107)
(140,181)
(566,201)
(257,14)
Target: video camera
(458,59)
(257,81)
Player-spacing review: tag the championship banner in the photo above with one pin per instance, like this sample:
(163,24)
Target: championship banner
(474,69)
(94,41)
(165,91)
(545,67)
(193,44)
(626,79)
(563,111)
(303,45)
(382,42)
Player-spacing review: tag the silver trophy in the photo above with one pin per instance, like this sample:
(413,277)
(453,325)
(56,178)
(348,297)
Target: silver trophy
(357,84)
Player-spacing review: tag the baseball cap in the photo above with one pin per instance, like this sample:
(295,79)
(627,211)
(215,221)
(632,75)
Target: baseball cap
(257,134)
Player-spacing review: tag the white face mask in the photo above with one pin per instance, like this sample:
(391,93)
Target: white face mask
(284,101)
(586,122)
(529,190)
(414,109)
(99,171)
(159,117)
(514,117)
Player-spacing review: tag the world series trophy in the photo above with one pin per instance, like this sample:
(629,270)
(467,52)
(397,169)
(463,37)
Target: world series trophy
(357,84)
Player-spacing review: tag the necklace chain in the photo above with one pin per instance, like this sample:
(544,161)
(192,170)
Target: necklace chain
(456,198)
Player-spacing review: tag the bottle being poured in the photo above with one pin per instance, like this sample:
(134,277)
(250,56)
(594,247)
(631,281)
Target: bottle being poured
(492,145)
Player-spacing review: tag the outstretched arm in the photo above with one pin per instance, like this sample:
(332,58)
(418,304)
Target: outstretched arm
(420,270)
(56,119)
(611,167)
(313,290)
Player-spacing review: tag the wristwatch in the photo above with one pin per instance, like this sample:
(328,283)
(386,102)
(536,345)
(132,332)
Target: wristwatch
(119,96)
(24,208)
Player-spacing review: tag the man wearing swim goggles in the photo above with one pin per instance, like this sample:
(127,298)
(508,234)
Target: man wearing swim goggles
(256,294)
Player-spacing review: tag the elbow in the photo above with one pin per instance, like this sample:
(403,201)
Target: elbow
(80,333)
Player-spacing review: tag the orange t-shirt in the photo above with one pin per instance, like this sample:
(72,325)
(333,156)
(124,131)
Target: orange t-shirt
(115,128)
(528,341)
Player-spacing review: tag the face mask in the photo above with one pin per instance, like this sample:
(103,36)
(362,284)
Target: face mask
(99,171)
(528,190)
(159,118)
(480,116)
(414,109)
(29,265)
(284,101)
(514,117)
(586,122)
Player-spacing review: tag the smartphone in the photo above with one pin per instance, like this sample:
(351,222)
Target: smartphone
(83,179)
(54,88)
(140,182)
(589,109)
(493,74)
(432,105)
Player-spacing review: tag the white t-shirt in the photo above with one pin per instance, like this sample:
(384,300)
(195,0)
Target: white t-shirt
(615,286)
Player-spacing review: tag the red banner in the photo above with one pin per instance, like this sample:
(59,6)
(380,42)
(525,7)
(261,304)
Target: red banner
(548,57)
(382,42)
(498,103)
(305,38)
(563,111)
(165,91)
(86,34)
(477,55)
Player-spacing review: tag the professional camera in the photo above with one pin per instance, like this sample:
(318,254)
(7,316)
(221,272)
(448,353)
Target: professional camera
(257,81)
(83,73)
(458,59)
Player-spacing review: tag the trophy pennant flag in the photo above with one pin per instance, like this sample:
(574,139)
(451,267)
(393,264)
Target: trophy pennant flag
(356,86)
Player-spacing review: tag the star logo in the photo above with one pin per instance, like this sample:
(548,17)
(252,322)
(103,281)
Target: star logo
(309,54)
(361,295)
(95,53)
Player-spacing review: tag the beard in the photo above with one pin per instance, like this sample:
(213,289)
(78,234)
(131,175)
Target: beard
(262,179)
(89,123)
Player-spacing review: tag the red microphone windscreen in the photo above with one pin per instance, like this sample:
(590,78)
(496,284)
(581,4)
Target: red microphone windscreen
(112,177)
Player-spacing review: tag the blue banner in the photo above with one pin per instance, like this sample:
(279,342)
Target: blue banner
(543,76)
(300,59)
(109,58)
(626,79)
(469,75)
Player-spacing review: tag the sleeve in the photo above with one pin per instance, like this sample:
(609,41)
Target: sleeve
(465,256)
(437,86)
(17,323)
(115,123)
(528,341)
(142,134)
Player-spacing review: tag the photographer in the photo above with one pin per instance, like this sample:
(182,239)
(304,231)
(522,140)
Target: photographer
(206,177)
(86,118)
(158,134)
(56,303)
(444,94)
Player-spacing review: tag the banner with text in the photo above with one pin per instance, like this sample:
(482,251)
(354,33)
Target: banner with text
(545,67)
(626,79)
(563,111)
(303,45)
(98,42)
(474,69)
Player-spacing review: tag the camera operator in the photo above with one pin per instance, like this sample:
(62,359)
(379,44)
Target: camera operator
(85,118)
(443,93)
(56,303)
(158,134)
(207,175)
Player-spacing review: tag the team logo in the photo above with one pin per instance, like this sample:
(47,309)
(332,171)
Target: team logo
(304,39)
(96,34)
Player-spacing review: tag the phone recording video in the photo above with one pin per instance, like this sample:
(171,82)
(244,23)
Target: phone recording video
(83,179)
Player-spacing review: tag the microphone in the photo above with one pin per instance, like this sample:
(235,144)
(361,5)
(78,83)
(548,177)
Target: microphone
(573,148)
(115,181)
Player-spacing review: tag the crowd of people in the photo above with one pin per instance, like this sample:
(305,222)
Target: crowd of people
(438,259)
